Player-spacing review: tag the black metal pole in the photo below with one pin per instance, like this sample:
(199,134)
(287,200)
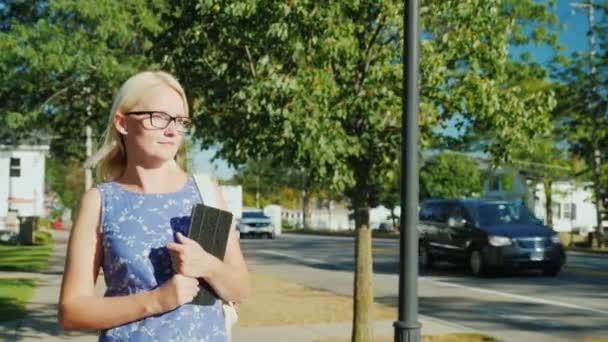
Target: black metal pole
(407,328)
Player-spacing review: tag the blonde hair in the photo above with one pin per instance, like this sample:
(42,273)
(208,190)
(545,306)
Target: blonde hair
(111,158)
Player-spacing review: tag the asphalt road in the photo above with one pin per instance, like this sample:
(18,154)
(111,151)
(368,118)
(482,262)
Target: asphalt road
(521,306)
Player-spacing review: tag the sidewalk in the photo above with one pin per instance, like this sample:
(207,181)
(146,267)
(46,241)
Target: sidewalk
(315,332)
(40,324)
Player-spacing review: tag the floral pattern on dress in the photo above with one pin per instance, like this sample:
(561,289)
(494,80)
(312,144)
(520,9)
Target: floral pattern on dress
(135,229)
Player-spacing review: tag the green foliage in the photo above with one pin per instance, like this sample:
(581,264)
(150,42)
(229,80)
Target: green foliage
(448,175)
(66,178)
(42,238)
(313,86)
(582,112)
(274,183)
(63,59)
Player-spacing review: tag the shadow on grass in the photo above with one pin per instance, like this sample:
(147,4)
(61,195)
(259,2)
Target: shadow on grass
(14,295)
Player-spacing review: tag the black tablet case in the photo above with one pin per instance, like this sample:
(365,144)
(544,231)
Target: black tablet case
(209,227)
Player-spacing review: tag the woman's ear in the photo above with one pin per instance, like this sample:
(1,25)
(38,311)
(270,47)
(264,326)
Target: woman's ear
(120,123)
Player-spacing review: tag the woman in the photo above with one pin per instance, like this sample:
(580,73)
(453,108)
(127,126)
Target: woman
(131,224)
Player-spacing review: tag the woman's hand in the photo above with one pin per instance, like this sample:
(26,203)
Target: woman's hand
(190,259)
(176,291)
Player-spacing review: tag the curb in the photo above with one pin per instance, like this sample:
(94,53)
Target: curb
(583,250)
(378,238)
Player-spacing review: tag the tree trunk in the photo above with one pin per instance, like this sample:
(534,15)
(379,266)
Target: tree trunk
(305,209)
(363,284)
(547,183)
(393,218)
(364,293)
(599,229)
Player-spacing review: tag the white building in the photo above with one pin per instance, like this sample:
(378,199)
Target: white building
(332,215)
(22,170)
(335,215)
(572,207)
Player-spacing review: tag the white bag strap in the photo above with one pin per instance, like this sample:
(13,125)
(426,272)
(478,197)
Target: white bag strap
(206,188)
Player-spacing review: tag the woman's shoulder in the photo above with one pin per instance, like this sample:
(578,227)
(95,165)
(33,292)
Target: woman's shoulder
(91,200)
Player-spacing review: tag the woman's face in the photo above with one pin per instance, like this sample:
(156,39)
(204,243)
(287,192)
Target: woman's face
(150,132)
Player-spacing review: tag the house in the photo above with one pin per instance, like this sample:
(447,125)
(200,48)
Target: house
(572,202)
(332,215)
(335,215)
(22,170)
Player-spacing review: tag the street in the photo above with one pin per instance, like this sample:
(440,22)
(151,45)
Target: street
(512,307)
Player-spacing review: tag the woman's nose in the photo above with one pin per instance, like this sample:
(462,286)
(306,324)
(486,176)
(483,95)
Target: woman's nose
(171,128)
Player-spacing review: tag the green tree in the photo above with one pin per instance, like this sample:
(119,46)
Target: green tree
(62,62)
(66,178)
(266,181)
(318,87)
(583,104)
(448,175)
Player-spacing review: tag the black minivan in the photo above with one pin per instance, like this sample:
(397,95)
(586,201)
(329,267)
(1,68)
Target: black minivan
(488,235)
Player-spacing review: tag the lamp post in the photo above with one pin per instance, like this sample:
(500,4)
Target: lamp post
(407,328)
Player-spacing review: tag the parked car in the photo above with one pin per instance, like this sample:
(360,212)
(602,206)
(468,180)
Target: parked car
(255,224)
(487,235)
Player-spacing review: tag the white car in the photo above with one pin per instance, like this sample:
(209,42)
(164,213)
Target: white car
(255,224)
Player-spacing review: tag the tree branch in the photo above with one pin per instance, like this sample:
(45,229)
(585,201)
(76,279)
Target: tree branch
(251,66)
(362,73)
(53,96)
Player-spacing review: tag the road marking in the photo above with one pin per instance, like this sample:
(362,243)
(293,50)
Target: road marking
(445,284)
(520,297)
(526,319)
(287,256)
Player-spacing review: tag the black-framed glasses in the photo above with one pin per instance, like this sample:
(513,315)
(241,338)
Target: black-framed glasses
(162,120)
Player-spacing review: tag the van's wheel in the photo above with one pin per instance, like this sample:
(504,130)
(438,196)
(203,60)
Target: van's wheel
(425,258)
(477,264)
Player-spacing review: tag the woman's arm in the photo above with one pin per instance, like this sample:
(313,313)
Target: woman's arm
(80,307)
(230,279)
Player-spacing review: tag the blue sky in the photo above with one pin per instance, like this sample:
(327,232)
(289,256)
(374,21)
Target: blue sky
(572,34)
(202,162)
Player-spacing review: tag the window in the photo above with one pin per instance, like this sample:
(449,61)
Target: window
(435,212)
(426,213)
(570,211)
(15,167)
(495,184)
(320,204)
(457,212)
(557,210)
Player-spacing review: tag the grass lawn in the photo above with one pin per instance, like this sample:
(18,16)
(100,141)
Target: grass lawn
(24,258)
(14,295)
(297,304)
(292,303)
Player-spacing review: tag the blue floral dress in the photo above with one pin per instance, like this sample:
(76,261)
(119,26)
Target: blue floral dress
(135,229)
